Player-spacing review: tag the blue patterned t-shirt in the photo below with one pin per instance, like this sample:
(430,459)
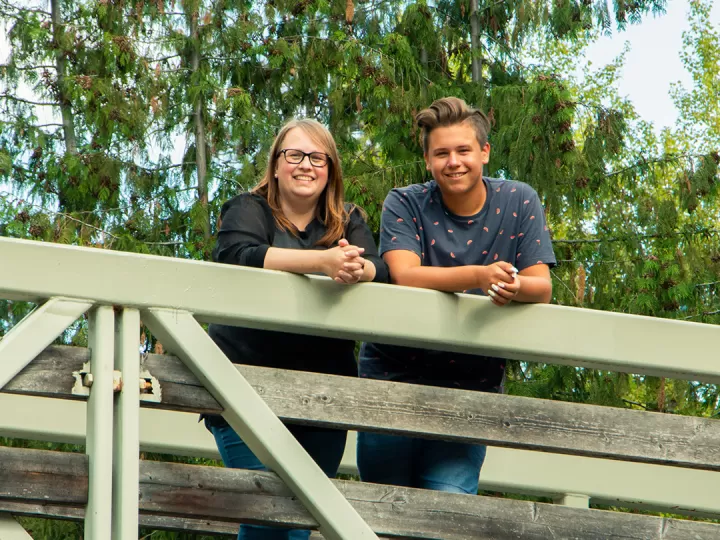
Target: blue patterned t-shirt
(510,227)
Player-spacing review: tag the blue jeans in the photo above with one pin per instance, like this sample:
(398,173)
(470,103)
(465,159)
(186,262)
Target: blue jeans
(325,446)
(419,463)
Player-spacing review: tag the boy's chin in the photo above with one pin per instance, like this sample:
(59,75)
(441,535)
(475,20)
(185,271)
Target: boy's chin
(457,188)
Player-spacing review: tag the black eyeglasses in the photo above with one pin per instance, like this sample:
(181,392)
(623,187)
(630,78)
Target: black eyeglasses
(317,159)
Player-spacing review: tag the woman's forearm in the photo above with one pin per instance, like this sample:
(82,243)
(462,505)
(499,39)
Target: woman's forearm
(298,261)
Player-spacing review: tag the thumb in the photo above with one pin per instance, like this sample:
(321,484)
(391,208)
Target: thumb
(343,243)
(509,268)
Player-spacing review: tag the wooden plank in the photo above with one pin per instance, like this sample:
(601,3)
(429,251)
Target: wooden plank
(202,497)
(50,374)
(497,420)
(36,475)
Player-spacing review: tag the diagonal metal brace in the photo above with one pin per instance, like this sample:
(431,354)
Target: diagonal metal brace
(249,415)
(35,332)
(11,529)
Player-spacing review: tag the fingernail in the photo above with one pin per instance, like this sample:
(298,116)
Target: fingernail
(501,284)
(515,270)
(495,288)
(491,294)
(514,275)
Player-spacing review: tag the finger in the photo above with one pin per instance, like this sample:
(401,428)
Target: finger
(513,287)
(503,277)
(346,277)
(342,242)
(352,253)
(501,293)
(496,298)
(352,266)
(509,268)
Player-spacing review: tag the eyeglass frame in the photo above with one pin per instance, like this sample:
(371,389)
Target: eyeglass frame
(328,159)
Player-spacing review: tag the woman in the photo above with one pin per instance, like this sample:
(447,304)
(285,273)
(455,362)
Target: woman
(294,220)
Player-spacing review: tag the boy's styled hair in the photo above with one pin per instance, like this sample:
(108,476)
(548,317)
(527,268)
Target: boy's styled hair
(450,111)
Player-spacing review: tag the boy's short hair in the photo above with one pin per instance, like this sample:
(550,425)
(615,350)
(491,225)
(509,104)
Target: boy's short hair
(448,112)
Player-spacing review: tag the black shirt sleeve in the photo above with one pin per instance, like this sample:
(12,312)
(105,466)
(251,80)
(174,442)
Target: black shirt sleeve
(358,234)
(244,236)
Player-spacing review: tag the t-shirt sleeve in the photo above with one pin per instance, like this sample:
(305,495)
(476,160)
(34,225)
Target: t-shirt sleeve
(243,237)
(534,246)
(398,229)
(358,234)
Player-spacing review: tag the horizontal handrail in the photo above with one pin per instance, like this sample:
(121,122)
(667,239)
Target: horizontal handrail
(384,313)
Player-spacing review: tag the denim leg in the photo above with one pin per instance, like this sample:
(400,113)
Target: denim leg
(448,466)
(324,445)
(385,459)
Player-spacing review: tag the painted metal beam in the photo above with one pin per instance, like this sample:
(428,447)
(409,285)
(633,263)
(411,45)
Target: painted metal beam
(126,436)
(10,529)
(35,332)
(257,425)
(99,448)
(382,313)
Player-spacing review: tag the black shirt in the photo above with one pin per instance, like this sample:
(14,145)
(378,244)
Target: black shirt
(246,232)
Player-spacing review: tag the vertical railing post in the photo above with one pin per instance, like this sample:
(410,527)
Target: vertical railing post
(99,444)
(126,439)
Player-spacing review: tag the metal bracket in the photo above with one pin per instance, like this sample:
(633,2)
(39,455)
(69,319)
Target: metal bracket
(149,387)
(84,381)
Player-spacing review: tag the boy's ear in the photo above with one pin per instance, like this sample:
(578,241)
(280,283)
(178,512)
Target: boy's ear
(486,153)
(427,162)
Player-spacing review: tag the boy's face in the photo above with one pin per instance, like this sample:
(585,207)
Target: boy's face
(455,159)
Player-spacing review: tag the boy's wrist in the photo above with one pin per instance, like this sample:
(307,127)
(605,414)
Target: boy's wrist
(480,276)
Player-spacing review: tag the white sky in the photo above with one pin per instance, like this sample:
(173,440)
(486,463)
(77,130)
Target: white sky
(653,62)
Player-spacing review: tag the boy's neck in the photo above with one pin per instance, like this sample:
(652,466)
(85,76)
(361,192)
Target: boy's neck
(468,203)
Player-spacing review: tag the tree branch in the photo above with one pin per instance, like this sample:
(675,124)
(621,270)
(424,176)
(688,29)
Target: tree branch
(21,100)
(702,314)
(636,237)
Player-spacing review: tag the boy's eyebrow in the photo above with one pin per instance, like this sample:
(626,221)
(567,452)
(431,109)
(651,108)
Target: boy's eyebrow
(445,149)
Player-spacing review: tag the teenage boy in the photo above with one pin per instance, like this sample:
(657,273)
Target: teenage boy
(460,232)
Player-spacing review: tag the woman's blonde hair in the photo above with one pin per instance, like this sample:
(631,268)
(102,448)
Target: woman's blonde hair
(331,205)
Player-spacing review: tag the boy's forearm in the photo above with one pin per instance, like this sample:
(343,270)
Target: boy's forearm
(455,279)
(534,290)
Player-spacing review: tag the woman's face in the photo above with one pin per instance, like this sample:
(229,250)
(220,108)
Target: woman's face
(301,182)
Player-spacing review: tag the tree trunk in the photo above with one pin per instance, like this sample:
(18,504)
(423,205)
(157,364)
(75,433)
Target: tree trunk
(200,139)
(475,43)
(65,110)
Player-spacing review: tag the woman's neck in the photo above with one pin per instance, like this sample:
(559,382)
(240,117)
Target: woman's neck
(300,213)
